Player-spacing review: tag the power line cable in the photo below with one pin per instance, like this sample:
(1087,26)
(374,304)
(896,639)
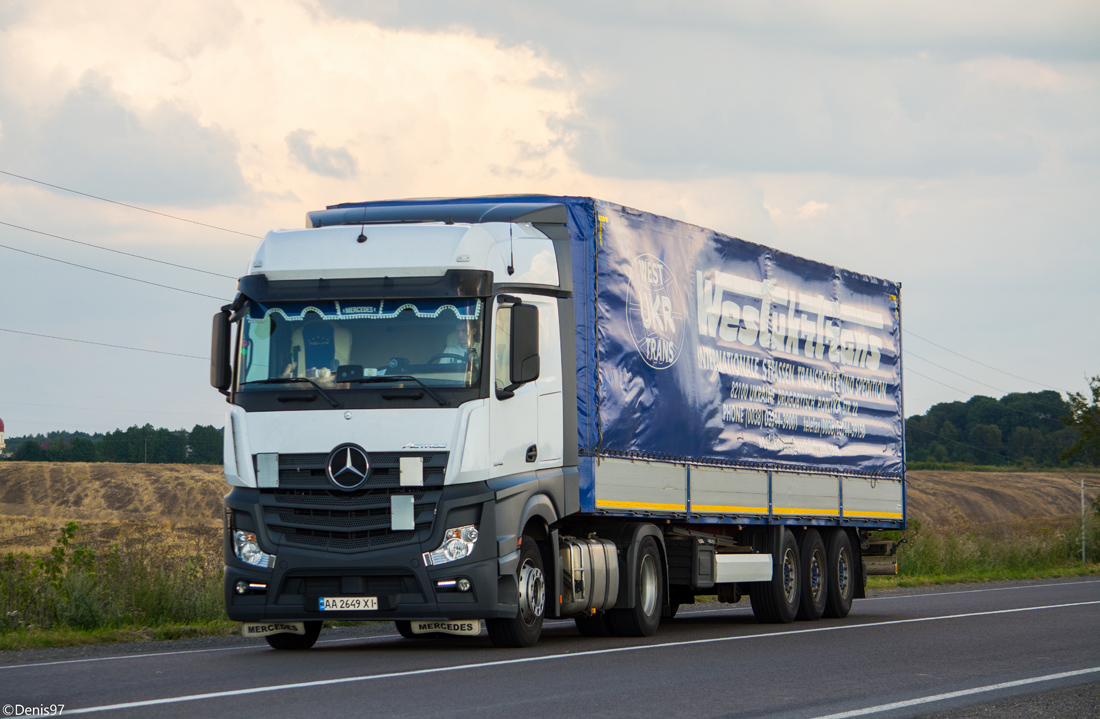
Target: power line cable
(983,364)
(37,392)
(123,204)
(113,274)
(1002,406)
(917,356)
(102,344)
(107,409)
(120,252)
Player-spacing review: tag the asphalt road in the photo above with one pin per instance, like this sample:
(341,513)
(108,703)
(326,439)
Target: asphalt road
(945,651)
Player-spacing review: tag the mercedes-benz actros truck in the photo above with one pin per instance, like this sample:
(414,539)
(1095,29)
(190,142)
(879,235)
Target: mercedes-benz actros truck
(478,413)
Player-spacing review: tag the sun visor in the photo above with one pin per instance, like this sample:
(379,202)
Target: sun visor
(454,283)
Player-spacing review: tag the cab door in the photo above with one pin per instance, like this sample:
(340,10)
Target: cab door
(513,410)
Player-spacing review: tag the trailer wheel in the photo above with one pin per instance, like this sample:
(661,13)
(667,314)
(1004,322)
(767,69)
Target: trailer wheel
(777,601)
(642,619)
(841,568)
(595,625)
(296,641)
(523,630)
(815,584)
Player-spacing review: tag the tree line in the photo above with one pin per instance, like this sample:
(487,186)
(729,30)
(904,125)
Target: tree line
(155,445)
(1020,429)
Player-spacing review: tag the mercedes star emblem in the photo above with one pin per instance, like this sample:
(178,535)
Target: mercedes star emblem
(348,466)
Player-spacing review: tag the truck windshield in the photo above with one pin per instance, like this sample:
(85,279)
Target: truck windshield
(346,344)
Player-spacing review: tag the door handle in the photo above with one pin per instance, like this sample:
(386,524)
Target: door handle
(532,453)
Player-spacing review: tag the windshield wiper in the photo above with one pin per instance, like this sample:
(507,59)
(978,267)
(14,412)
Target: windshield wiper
(398,378)
(292,380)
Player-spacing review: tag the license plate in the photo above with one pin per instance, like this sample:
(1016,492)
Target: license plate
(347,604)
(470,627)
(257,629)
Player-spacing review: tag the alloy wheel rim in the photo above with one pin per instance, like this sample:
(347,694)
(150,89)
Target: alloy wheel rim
(790,576)
(817,586)
(648,587)
(532,593)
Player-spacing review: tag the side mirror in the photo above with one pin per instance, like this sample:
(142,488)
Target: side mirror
(525,344)
(220,372)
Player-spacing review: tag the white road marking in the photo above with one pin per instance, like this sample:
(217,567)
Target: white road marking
(551,657)
(255,647)
(556,622)
(976,591)
(953,695)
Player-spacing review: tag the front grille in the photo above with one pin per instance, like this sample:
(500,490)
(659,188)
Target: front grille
(309,511)
(307,471)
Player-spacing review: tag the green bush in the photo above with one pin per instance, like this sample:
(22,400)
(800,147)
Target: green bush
(149,578)
(997,549)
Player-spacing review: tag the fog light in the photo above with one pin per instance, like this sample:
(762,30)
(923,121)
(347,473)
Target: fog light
(463,585)
(247,549)
(242,587)
(458,543)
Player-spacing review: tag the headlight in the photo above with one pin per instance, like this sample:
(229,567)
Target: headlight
(458,543)
(248,550)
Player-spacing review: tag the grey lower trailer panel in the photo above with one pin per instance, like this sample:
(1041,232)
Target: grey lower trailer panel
(710,494)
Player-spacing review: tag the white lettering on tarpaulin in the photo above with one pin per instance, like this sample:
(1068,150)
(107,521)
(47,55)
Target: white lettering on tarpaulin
(655,312)
(786,321)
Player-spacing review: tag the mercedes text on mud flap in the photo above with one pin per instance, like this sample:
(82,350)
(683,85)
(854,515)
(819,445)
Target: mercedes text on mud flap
(444,413)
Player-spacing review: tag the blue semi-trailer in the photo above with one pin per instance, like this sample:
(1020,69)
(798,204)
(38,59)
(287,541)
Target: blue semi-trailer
(492,410)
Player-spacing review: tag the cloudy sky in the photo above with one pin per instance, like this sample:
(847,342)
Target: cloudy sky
(954,147)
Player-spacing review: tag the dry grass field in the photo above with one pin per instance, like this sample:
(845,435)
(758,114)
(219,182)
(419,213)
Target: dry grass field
(111,501)
(955,498)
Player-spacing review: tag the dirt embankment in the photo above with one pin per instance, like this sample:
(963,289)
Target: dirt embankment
(178,493)
(966,497)
(192,494)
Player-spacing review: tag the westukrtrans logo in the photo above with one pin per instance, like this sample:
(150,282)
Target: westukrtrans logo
(655,312)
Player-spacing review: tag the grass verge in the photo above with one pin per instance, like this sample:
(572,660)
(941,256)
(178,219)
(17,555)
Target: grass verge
(70,637)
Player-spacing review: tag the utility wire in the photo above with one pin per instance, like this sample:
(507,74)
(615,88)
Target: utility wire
(912,354)
(1011,409)
(102,344)
(110,409)
(983,364)
(123,204)
(113,274)
(36,392)
(120,252)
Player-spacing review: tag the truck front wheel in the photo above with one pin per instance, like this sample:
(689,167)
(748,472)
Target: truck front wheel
(296,641)
(524,629)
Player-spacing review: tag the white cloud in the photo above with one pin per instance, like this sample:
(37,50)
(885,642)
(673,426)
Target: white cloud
(953,147)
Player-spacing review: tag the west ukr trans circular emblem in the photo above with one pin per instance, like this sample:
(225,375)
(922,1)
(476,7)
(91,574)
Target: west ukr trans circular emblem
(655,312)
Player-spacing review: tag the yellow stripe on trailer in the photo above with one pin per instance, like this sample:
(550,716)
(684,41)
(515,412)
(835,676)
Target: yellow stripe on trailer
(612,504)
(728,510)
(806,512)
(873,515)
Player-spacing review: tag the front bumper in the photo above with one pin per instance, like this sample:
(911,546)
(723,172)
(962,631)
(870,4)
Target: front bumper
(404,587)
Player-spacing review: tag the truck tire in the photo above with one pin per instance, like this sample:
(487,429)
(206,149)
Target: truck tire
(841,568)
(777,601)
(524,629)
(595,625)
(296,641)
(642,619)
(815,576)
